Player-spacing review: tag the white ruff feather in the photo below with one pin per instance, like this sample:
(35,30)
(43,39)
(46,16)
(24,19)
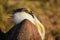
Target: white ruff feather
(20,16)
(40,27)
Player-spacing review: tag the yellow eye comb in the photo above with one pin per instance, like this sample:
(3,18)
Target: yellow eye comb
(28,9)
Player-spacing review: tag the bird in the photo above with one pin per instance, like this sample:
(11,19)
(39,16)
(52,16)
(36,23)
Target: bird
(27,26)
(2,35)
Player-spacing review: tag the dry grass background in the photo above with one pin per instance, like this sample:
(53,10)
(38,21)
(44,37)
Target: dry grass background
(47,11)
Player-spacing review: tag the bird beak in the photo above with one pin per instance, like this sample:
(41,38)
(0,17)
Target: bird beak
(11,17)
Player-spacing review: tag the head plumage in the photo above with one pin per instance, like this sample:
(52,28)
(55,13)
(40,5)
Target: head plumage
(28,9)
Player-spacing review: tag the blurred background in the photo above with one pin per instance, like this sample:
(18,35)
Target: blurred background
(47,11)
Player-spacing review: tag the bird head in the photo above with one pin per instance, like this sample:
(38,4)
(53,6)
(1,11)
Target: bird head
(26,10)
(25,13)
(21,14)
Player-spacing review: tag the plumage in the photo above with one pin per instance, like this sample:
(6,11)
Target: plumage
(20,16)
(25,30)
(2,35)
(27,27)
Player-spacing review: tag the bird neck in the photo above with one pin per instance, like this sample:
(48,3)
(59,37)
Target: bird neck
(20,16)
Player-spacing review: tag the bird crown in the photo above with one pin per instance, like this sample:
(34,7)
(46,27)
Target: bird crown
(27,10)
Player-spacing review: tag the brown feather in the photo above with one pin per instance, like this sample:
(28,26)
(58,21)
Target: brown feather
(28,31)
